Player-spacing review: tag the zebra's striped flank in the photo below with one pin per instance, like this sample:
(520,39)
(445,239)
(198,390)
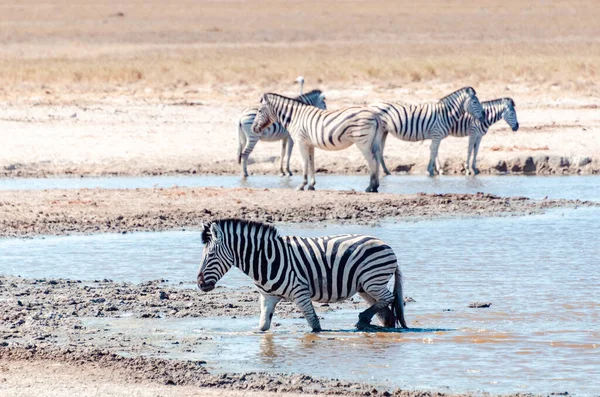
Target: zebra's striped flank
(273,133)
(302,270)
(312,128)
(427,121)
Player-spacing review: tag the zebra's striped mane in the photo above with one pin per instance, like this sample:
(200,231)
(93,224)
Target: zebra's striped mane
(498,102)
(235,222)
(460,91)
(272,94)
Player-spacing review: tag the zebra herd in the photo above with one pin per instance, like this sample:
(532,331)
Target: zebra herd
(334,268)
(306,122)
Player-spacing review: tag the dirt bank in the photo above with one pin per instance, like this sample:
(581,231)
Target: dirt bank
(65,212)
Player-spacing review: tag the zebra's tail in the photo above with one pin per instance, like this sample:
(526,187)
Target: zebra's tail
(398,303)
(242,141)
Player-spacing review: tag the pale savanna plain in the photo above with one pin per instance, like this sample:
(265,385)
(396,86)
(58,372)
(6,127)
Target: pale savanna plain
(153,88)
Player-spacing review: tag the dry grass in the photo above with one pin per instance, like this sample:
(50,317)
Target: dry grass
(84,45)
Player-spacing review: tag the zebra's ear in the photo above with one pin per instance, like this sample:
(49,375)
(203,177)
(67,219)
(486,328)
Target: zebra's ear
(322,96)
(216,232)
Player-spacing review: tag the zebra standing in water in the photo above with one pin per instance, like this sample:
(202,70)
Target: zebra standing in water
(302,270)
(493,111)
(310,127)
(427,121)
(275,132)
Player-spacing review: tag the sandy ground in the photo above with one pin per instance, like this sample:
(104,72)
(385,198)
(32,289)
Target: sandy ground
(145,88)
(87,211)
(58,379)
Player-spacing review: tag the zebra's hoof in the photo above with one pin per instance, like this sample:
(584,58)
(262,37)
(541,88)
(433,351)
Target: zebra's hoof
(311,187)
(300,188)
(371,190)
(476,171)
(290,173)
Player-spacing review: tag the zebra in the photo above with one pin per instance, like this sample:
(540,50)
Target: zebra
(302,270)
(427,121)
(275,132)
(310,127)
(493,111)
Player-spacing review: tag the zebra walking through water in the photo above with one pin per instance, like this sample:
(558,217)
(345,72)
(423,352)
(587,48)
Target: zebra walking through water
(312,128)
(275,132)
(432,120)
(302,270)
(493,111)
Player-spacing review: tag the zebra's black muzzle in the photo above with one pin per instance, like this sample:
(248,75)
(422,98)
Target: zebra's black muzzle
(203,285)
(516,127)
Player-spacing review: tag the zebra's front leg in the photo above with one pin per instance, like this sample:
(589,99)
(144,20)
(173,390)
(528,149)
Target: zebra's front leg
(468,169)
(475,151)
(435,144)
(283,151)
(304,151)
(267,308)
(290,146)
(311,167)
(304,302)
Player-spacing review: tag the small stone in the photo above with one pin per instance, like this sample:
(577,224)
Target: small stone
(163,295)
(479,305)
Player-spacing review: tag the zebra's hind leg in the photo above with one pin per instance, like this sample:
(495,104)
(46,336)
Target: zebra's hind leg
(384,315)
(311,167)
(304,302)
(370,154)
(245,154)
(290,146)
(383,298)
(267,307)
(283,151)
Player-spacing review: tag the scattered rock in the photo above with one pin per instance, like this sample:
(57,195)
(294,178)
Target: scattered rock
(479,305)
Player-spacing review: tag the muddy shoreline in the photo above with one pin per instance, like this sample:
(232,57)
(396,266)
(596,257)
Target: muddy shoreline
(43,322)
(89,211)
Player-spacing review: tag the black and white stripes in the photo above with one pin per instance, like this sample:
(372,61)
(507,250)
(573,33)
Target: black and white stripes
(432,120)
(275,132)
(467,125)
(312,128)
(302,270)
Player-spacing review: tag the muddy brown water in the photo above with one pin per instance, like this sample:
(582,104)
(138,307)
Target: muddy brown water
(536,187)
(539,335)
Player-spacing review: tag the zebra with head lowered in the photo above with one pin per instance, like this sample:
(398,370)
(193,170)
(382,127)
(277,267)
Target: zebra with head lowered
(432,120)
(467,125)
(275,132)
(312,128)
(302,270)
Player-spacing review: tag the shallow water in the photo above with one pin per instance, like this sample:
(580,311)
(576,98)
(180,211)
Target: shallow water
(568,187)
(540,273)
